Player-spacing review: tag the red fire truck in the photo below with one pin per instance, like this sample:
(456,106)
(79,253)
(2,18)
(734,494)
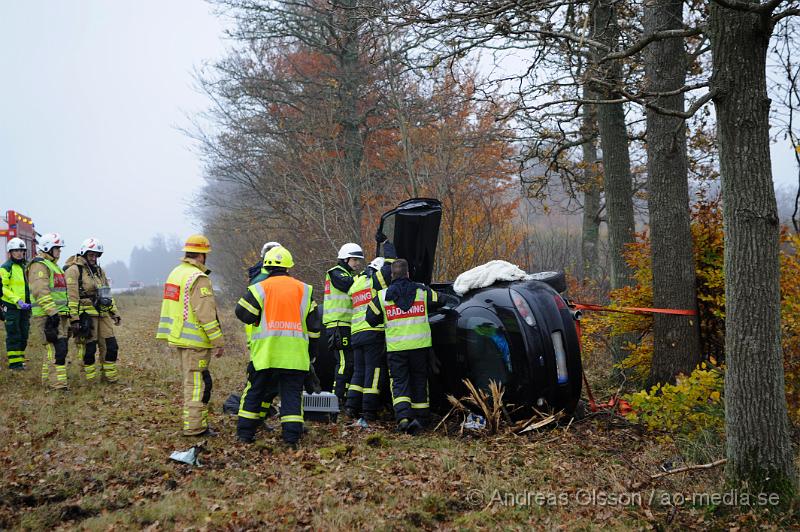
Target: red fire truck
(17,225)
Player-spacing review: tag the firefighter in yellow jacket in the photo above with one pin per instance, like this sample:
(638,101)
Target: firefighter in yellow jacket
(190,324)
(92,311)
(48,289)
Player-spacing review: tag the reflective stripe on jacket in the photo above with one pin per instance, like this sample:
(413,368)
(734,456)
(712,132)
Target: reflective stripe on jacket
(361,293)
(179,324)
(15,285)
(406,329)
(281,338)
(337,308)
(53,299)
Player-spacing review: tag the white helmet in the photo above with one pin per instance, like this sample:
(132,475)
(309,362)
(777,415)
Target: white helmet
(351,250)
(91,244)
(268,246)
(50,241)
(15,244)
(377,263)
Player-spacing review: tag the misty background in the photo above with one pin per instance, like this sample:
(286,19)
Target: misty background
(95,100)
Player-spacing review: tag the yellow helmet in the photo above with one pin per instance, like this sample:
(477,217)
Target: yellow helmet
(197,244)
(279,257)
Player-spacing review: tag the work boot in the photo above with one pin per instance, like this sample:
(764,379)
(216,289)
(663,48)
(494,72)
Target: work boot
(17,366)
(350,413)
(245,439)
(209,432)
(414,427)
(402,425)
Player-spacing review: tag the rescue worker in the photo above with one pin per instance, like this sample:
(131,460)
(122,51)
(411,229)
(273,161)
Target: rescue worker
(48,288)
(190,325)
(16,302)
(286,323)
(92,311)
(368,343)
(312,384)
(403,310)
(337,312)
(258,268)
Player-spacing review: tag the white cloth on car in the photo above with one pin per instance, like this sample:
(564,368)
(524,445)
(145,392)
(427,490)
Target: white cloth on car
(488,274)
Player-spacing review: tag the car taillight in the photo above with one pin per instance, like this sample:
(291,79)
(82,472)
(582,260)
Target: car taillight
(561,357)
(523,308)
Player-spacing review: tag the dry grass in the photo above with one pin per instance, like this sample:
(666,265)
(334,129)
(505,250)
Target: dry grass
(96,459)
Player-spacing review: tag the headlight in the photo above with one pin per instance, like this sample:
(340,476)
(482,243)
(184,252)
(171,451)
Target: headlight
(523,308)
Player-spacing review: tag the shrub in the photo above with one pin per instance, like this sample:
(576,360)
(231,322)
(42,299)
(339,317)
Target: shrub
(708,246)
(690,406)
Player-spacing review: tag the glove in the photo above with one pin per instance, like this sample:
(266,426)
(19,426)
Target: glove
(380,238)
(51,328)
(75,328)
(23,306)
(116,319)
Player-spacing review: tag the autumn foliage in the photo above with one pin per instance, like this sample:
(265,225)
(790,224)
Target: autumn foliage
(709,259)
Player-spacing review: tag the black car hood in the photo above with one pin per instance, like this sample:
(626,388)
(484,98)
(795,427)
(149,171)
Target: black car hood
(413,228)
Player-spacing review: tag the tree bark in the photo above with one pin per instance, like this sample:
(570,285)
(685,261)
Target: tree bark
(676,339)
(617,180)
(350,85)
(757,429)
(590,234)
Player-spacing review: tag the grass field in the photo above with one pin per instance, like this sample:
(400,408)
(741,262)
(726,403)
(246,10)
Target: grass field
(96,458)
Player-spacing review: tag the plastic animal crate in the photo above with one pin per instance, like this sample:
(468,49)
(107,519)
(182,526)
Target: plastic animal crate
(320,405)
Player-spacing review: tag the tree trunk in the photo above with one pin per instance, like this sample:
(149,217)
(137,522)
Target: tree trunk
(590,235)
(617,180)
(757,429)
(350,85)
(676,339)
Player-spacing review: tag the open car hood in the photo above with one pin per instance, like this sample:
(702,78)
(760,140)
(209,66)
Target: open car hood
(413,228)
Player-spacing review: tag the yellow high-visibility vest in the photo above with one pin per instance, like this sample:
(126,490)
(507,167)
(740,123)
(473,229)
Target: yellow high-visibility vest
(178,324)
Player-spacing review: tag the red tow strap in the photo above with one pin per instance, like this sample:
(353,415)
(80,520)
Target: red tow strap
(633,310)
(615,403)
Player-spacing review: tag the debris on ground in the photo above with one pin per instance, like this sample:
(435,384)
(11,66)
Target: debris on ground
(187,457)
(474,422)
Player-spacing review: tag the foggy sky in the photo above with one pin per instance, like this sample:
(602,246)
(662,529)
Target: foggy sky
(91,98)
(93,93)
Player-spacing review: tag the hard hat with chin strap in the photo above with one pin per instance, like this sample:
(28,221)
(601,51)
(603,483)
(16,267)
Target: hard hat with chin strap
(197,244)
(91,244)
(278,257)
(351,251)
(50,241)
(16,244)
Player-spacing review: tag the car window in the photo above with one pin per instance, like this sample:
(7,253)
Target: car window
(487,350)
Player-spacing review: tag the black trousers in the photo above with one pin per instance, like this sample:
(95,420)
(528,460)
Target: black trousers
(408,371)
(370,378)
(261,388)
(344,365)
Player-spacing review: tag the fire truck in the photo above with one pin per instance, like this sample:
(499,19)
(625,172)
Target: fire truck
(17,225)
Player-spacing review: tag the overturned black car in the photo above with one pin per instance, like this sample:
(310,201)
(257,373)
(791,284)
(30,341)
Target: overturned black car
(520,334)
